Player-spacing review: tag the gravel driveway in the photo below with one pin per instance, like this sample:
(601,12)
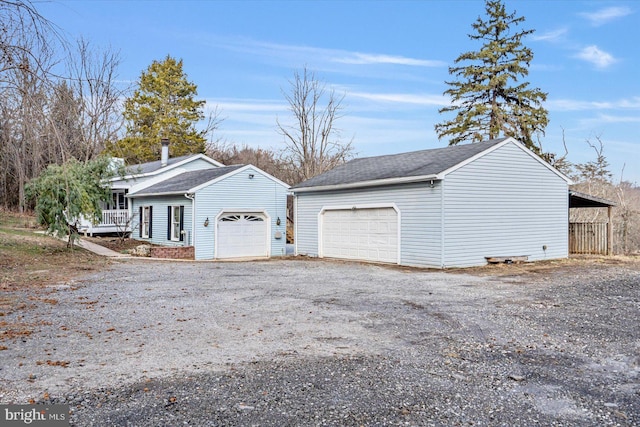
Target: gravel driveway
(309,342)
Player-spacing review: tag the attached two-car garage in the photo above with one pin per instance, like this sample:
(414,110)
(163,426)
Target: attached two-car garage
(367,234)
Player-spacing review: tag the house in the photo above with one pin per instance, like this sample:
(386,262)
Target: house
(445,207)
(198,208)
(116,214)
(223,212)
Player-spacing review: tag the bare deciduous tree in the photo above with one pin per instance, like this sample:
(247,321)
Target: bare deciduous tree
(312,143)
(45,117)
(24,36)
(265,159)
(23,96)
(93,75)
(595,178)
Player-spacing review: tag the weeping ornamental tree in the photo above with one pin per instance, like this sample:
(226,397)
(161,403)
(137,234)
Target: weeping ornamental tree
(64,193)
(488,97)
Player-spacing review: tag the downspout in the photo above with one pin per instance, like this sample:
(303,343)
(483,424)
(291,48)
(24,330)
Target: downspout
(295,224)
(442,224)
(192,197)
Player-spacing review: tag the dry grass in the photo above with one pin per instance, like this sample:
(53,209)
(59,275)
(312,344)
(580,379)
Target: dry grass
(29,264)
(557,266)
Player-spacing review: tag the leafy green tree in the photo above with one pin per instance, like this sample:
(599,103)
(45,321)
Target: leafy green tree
(489,97)
(163,106)
(64,193)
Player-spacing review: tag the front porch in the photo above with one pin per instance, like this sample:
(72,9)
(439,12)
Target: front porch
(113,221)
(116,216)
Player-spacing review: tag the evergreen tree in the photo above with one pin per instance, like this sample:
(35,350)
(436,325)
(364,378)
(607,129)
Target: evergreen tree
(163,106)
(489,97)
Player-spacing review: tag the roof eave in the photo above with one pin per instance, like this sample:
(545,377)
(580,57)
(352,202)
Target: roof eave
(593,201)
(168,167)
(366,184)
(167,193)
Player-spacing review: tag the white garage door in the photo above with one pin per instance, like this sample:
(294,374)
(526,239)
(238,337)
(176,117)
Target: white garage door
(242,235)
(364,234)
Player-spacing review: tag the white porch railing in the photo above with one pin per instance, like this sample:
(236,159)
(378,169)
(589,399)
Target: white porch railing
(118,217)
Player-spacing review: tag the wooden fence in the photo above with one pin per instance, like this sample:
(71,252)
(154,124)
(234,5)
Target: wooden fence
(588,238)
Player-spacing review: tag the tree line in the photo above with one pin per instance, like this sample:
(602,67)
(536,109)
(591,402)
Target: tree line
(58,100)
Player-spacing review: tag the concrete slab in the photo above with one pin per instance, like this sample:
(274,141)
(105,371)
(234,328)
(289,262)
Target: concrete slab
(97,249)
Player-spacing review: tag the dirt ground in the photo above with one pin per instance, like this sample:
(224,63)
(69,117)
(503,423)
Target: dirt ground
(115,243)
(314,342)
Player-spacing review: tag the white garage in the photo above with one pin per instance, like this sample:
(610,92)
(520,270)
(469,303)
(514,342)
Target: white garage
(242,235)
(368,234)
(455,207)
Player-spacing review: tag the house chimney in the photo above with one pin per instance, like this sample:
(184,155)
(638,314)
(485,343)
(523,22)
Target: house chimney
(164,155)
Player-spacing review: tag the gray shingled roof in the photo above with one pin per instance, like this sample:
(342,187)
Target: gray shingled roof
(186,181)
(403,165)
(149,167)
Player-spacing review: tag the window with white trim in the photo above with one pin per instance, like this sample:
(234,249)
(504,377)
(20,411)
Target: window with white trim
(175,215)
(145,222)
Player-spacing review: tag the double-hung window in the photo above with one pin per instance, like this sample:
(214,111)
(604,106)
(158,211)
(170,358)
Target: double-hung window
(146,213)
(175,224)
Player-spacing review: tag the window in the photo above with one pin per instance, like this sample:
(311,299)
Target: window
(175,224)
(119,201)
(146,213)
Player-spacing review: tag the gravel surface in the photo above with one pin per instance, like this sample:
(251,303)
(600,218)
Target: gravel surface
(308,342)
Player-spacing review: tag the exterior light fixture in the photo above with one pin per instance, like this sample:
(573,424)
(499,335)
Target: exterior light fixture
(206,222)
(251,176)
(278,221)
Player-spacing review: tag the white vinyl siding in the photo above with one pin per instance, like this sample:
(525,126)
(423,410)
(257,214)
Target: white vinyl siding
(240,194)
(419,210)
(196,164)
(160,219)
(504,203)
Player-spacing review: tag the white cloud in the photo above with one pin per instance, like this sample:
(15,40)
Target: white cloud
(575,105)
(597,57)
(403,98)
(368,59)
(606,15)
(607,118)
(252,105)
(550,36)
(300,54)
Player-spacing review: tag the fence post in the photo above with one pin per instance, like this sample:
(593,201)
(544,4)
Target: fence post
(610,231)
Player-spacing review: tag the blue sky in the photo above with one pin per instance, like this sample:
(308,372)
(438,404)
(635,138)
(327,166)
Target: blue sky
(390,59)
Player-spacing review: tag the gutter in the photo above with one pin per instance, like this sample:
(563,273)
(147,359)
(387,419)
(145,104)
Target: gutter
(169,193)
(371,183)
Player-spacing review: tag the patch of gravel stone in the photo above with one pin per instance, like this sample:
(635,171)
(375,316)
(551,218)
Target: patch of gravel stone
(308,342)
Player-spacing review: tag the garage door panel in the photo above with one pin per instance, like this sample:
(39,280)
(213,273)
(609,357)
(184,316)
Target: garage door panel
(365,234)
(242,235)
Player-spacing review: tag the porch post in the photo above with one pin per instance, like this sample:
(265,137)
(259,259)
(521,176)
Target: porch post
(610,231)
